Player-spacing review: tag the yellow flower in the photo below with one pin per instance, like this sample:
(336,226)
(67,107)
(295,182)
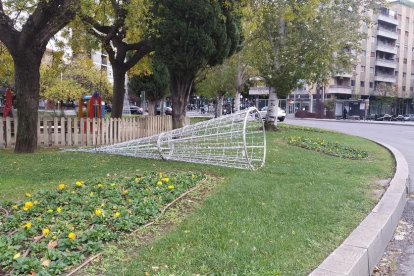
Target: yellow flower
(28,195)
(117,214)
(160,175)
(171,187)
(72,236)
(165,179)
(79,184)
(27,206)
(16,256)
(50,211)
(15,207)
(61,187)
(91,194)
(45,232)
(27,226)
(59,210)
(100,186)
(98,212)
(159,183)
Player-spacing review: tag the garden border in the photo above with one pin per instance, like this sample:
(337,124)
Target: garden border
(365,246)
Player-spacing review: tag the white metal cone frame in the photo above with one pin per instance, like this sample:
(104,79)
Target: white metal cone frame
(237,140)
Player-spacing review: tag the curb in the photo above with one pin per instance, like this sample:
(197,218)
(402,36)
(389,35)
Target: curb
(364,247)
(359,121)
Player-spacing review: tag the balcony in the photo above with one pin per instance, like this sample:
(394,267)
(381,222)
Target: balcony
(389,63)
(387,48)
(388,18)
(385,78)
(340,89)
(387,33)
(343,75)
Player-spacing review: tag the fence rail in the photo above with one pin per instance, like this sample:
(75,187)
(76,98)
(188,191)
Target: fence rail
(74,132)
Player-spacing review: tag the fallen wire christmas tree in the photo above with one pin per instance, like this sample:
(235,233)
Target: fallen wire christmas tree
(236,140)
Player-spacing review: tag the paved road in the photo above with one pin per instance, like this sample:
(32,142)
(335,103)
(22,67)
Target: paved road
(401,248)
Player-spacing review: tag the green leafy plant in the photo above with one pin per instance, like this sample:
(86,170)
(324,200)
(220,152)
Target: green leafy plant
(326,147)
(54,230)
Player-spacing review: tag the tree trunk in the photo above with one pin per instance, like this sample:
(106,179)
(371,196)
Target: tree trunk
(272,111)
(219,107)
(27,85)
(180,92)
(151,108)
(118,91)
(237,102)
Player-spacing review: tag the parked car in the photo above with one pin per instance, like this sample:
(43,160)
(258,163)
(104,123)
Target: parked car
(168,110)
(384,117)
(409,117)
(398,118)
(281,113)
(136,109)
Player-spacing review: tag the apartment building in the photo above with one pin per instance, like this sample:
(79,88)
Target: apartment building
(386,63)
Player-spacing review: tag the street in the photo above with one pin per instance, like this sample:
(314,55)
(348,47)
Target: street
(400,136)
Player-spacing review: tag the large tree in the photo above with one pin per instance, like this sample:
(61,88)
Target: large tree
(26,41)
(191,35)
(309,41)
(119,26)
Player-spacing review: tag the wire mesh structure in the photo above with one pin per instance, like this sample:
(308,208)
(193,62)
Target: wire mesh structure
(236,140)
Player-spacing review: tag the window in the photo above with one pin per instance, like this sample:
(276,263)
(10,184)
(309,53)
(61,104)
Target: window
(404,75)
(412,89)
(403,88)
(405,61)
(362,83)
(363,53)
(352,83)
(371,70)
(396,73)
(372,54)
(371,85)
(362,68)
(406,34)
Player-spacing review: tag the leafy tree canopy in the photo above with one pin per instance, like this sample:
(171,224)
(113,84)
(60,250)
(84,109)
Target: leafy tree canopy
(155,84)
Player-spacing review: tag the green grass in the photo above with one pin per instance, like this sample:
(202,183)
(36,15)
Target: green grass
(285,218)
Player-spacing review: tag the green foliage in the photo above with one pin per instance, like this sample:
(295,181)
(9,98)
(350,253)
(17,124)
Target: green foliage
(217,81)
(71,81)
(321,145)
(53,230)
(193,34)
(155,84)
(309,40)
(6,66)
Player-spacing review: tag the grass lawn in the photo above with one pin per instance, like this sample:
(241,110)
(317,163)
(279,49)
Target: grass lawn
(283,219)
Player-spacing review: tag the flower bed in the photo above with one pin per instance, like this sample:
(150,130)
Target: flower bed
(330,148)
(54,230)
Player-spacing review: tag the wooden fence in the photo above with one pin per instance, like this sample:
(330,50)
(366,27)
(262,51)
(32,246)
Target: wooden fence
(72,132)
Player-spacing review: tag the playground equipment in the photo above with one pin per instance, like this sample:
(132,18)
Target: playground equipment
(93,106)
(8,103)
(236,140)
